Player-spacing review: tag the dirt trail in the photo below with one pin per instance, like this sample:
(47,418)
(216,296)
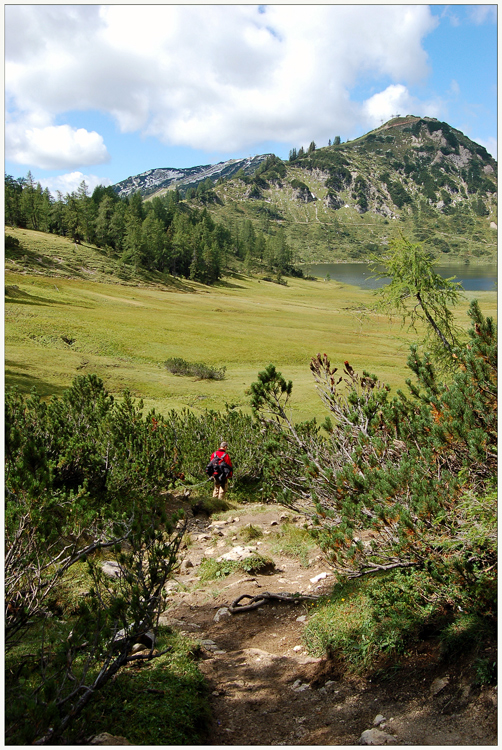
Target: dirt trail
(267,690)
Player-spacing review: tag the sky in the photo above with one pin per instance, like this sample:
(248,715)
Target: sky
(103,92)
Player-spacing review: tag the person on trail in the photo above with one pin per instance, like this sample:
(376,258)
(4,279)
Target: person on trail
(220,469)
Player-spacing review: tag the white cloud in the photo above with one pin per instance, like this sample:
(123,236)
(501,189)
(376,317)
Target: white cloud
(53,147)
(396,100)
(480,14)
(213,77)
(68,183)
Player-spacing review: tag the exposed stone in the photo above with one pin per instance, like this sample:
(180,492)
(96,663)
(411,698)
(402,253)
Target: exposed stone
(222,612)
(238,553)
(319,577)
(111,568)
(108,739)
(185,565)
(439,684)
(378,720)
(138,647)
(299,687)
(376,737)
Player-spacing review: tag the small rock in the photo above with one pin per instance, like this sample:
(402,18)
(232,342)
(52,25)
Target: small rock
(209,646)
(138,647)
(111,568)
(439,684)
(185,565)
(297,648)
(319,577)
(302,618)
(274,523)
(238,553)
(378,720)
(376,737)
(222,612)
(300,687)
(108,739)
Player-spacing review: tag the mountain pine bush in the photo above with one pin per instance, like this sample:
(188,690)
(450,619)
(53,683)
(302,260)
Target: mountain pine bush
(83,479)
(398,483)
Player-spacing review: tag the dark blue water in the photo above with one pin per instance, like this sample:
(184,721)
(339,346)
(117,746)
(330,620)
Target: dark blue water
(473,278)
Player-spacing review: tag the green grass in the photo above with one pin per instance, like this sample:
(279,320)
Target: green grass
(375,621)
(125,333)
(250,532)
(294,542)
(211,569)
(163,702)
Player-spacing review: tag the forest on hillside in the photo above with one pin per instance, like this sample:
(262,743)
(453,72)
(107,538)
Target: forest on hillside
(163,234)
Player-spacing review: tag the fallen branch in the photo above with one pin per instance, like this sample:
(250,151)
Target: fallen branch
(259,599)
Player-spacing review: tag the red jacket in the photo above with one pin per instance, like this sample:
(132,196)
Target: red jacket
(224,455)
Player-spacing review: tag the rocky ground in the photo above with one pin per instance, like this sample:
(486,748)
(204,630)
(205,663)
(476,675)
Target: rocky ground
(267,690)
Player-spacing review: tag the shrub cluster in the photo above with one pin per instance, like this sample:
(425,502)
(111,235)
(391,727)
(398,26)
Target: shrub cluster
(199,370)
(399,484)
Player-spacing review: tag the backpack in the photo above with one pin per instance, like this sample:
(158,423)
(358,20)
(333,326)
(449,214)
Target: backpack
(218,469)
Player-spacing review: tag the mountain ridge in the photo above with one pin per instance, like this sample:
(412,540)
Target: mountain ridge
(163,178)
(412,174)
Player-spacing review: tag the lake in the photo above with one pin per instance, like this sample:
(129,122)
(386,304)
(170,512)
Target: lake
(473,278)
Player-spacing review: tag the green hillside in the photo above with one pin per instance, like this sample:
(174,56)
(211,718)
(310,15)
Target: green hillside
(415,175)
(74,310)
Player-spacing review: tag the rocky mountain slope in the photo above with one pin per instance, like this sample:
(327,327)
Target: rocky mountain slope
(345,201)
(158,180)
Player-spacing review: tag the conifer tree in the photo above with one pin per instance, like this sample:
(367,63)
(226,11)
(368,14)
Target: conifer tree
(418,293)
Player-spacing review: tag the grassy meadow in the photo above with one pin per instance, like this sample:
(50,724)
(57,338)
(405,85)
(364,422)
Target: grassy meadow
(72,310)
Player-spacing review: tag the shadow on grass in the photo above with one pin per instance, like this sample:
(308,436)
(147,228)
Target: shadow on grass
(37,261)
(15,295)
(227,285)
(24,382)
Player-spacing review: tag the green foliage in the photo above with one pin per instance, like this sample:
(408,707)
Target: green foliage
(161,235)
(403,482)
(179,366)
(295,542)
(372,622)
(197,436)
(83,474)
(413,279)
(250,532)
(172,683)
(211,569)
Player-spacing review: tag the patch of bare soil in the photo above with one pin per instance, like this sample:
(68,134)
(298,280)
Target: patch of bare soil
(267,690)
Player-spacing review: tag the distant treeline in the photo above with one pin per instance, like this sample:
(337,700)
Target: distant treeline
(163,234)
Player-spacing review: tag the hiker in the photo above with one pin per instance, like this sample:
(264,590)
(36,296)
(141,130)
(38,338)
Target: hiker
(220,469)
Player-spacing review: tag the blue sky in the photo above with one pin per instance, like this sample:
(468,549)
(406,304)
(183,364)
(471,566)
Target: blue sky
(104,92)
